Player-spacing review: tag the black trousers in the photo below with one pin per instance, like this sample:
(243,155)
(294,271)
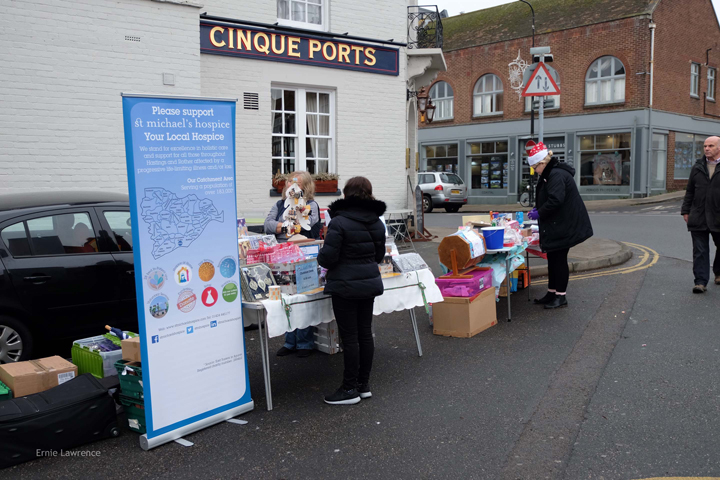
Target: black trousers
(354,319)
(558,271)
(701,256)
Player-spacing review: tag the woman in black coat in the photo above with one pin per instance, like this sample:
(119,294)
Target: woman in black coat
(354,246)
(562,218)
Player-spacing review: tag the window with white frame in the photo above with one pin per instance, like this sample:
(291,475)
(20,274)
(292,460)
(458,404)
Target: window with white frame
(694,79)
(488,96)
(605,82)
(554,98)
(711,83)
(302,13)
(302,130)
(442,96)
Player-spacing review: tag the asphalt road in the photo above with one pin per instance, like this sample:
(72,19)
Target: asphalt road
(623,384)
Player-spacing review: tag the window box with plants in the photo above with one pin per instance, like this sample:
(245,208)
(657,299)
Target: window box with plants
(324,182)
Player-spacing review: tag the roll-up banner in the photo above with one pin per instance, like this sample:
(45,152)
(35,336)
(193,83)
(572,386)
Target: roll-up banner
(181,177)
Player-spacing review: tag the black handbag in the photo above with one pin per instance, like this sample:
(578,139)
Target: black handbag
(74,413)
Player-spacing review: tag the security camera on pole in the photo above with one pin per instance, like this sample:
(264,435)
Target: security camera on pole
(540,81)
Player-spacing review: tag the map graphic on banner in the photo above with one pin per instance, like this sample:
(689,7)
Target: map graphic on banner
(175,222)
(181,177)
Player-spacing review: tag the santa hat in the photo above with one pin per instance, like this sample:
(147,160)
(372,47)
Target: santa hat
(537,154)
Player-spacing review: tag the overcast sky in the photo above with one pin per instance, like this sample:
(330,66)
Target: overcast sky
(454,7)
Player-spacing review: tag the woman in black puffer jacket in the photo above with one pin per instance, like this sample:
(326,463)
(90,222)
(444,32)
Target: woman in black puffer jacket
(562,218)
(354,246)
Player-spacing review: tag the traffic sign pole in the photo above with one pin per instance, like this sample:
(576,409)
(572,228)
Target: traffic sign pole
(541,118)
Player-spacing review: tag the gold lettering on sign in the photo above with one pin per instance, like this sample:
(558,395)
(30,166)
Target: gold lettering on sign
(212,36)
(231,37)
(293,44)
(243,39)
(282,44)
(369,54)
(357,51)
(325,49)
(265,47)
(315,46)
(344,51)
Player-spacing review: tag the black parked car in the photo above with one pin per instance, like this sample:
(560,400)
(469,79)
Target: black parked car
(66,271)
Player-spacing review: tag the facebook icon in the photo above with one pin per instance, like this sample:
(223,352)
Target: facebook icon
(156,338)
(189,329)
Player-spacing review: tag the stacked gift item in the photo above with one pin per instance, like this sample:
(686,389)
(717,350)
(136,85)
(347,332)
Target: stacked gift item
(469,302)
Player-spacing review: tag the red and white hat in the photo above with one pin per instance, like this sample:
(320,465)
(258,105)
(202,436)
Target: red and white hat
(537,154)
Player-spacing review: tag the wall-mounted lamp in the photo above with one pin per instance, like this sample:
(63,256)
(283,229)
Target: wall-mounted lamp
(424,104)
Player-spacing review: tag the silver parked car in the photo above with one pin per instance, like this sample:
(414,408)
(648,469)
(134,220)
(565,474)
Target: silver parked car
(442,189)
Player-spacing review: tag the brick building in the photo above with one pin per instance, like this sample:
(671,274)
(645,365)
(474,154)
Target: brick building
(340,108)
(602,121)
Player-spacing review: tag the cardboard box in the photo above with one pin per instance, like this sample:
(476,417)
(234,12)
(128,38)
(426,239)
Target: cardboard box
(35,376)
(131,349)
(465,317)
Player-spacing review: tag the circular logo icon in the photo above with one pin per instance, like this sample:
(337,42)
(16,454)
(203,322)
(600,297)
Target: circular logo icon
(206,271)
(209,297)
(156,278)
(227,267)
(183,274)
(230,292)
(159,306)
(186,301)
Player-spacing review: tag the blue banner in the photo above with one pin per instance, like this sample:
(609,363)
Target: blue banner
(181,177)
(280,46)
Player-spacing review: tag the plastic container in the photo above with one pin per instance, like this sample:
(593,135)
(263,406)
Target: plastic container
(465,287)
(5,392)
(493,237)
(89,360)
(131,383)
(135,412)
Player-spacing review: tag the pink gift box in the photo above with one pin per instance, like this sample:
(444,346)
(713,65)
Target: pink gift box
(465,287)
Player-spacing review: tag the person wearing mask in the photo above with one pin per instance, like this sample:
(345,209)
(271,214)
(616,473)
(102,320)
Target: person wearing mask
(562,219)
(300,340)
(354,246)
(701,211)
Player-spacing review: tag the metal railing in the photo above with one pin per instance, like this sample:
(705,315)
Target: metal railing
(425,28)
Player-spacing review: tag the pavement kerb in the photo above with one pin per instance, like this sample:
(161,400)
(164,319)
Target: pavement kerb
(618,258)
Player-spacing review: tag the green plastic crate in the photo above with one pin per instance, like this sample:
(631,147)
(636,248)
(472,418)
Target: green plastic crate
(135,411)
(130,385)
(5,392)
(100,364)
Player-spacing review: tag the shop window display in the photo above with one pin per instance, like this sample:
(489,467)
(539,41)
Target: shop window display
(442,158)
(688,148)
(605,159)
(489,161)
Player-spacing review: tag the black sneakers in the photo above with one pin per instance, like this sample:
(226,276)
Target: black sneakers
(343,397)
(283,352)
(364,390)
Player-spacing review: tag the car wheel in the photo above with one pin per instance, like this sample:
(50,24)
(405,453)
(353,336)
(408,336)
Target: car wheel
(15,340)
(427,204)
(452,209)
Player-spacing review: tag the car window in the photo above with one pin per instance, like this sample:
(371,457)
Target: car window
(62,234)
(120,225)
(451,178)
(16,240)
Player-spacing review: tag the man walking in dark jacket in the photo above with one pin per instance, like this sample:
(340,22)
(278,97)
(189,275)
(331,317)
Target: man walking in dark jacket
(701,211)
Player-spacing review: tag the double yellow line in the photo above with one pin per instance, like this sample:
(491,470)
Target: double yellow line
(648,258)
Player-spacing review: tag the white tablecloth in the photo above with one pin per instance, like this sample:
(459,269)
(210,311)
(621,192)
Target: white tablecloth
(401,293)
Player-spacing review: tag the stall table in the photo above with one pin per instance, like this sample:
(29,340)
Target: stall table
(403,291)
(508,253)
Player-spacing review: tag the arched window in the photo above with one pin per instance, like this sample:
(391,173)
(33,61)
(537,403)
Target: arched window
(442,96)
(488,95)
(605,82)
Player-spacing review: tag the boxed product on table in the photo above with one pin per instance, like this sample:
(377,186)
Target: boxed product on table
(35,376)
(296,277)
(465,317)
(465,287)
(131,350)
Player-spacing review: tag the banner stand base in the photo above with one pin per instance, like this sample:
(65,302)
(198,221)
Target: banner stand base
(149,443)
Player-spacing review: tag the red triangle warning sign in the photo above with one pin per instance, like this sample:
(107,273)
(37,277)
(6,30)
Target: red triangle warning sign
(541,84)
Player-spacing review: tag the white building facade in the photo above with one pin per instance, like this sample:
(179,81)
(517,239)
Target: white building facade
(321,86)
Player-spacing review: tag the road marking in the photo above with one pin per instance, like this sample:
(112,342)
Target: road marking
(680,478)
(648,258)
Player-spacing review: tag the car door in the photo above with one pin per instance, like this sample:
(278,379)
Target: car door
(62,278)
(115,221)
